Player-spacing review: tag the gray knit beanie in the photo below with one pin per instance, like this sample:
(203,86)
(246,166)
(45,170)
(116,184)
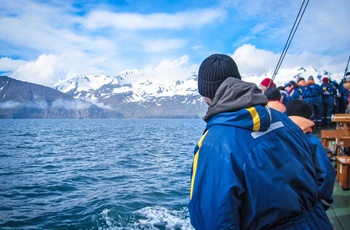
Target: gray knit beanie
(213,71)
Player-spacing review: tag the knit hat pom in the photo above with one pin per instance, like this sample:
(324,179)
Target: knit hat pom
(213,71)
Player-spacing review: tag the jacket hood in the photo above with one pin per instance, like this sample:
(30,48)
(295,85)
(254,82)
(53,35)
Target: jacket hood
(233,95)
(305,124)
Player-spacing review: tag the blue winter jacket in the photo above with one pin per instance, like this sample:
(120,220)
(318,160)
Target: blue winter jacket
(316,90)
(294,93)
(253,167)
(326,176)
(324,170)
(306,92)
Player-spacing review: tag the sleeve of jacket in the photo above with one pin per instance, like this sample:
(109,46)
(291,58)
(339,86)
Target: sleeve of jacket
(326,173)
(215,196)
(342,90)
(319,90)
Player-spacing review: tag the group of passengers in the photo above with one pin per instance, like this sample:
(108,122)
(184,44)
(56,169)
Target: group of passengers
(326,98)
(258,166)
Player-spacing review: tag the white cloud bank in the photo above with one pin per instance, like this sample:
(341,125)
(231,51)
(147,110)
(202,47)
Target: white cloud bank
(134,21)
(48,69)
(259,62)
(51,41)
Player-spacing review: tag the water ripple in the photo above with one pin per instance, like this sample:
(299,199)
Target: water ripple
(96,174)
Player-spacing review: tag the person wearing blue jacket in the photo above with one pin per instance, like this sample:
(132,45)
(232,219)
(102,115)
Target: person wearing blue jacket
(329,91)
(305,90)
(285,96)
(293,90)
(300,112)
(344,87)
(317,103)
(253,167)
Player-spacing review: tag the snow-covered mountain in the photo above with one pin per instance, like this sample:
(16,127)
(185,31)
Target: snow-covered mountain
(130,81)
(134,96)
(130,93)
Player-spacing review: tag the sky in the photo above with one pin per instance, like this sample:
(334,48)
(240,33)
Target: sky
(44,42)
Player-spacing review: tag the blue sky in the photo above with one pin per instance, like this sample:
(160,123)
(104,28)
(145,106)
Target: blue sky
(44,41)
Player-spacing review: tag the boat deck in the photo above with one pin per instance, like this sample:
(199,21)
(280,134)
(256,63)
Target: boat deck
(339,212)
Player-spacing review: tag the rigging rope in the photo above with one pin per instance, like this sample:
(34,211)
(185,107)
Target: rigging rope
(290,37)
(346,69)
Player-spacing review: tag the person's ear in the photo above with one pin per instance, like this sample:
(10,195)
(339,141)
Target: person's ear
(207,100)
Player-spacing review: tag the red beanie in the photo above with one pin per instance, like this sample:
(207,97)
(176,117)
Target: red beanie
(266,82)
(325,80)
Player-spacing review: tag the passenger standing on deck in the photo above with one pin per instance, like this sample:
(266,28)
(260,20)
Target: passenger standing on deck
(317,104)
(266,83)
(305,90)
(328,101)
(274,98)
(336,98)
(252,167)
(293,90)
(284,94)
(344,89)
(299,111)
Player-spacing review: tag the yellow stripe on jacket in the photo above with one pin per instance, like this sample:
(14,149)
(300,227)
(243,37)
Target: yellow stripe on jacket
(255,118)
(195,162)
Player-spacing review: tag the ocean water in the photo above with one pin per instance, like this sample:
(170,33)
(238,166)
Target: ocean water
(96,174)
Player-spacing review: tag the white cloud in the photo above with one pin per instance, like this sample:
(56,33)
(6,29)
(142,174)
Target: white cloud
(8,64)
(56,43)
(324,27)
(100,105)
(71,105)
(169,70)
(10,105)
(37,26)
(135,21)
(253,61)
(45,70)
(197,47)
(161,45)
(41,104)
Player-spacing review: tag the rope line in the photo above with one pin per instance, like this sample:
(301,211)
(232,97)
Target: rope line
(290,37)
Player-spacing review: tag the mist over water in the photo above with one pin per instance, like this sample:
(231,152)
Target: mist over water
(96,174)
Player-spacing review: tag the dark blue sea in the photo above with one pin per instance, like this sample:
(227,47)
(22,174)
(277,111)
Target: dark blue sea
(96,174)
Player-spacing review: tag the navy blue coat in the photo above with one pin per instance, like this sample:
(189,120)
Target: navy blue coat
(253,168)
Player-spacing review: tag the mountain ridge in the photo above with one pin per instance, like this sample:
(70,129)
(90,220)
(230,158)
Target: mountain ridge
(126,95)
(20,99)
(136,97)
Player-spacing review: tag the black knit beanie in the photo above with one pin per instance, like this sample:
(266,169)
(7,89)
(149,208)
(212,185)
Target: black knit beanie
(299,107)
(273,94)
(213,71)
